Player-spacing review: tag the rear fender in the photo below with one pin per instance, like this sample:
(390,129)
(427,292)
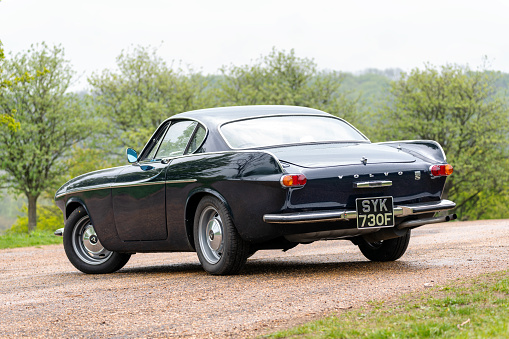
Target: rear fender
(192,203)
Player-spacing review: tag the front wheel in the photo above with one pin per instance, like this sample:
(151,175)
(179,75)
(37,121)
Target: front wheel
(85,251)
(385,250)
(219,246)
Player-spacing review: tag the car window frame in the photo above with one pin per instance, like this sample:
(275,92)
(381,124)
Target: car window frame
(160,133)
(164,128)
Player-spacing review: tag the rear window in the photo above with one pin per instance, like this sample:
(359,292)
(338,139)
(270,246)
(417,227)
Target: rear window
(288,129)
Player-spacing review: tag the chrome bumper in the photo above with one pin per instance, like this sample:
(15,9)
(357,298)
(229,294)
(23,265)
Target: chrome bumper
(335,215)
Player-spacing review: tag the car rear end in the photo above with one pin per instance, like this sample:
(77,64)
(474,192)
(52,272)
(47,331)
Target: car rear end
(346,190)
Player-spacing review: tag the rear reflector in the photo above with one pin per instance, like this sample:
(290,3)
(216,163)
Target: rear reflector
(441,170)
(293,180)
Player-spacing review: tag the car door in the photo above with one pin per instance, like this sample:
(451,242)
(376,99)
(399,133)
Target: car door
(139,194)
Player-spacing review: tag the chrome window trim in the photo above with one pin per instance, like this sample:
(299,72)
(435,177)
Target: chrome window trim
(325,115)
(171,122)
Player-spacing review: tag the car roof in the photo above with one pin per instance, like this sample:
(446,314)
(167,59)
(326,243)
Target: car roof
(213,117)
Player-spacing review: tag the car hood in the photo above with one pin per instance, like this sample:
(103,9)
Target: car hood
(328,155)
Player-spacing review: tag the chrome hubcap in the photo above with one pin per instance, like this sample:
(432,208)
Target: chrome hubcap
(211,235)
(215,232)
(86,244)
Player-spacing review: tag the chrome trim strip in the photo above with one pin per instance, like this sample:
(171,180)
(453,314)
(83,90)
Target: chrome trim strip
(77,190)
(343,215)
(99,187)
(138,184)
(181,181)
(372,184)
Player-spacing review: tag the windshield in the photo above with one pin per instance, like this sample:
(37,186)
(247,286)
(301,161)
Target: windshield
(291,129)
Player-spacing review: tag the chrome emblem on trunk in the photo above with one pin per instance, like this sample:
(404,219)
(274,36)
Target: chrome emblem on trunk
(364,160)
(417,175)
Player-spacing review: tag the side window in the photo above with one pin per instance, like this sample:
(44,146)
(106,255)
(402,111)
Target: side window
(197,139)
(155,142)
(176,139)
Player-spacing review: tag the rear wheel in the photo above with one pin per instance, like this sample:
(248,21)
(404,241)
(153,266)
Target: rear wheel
(85,251)
(220,248)
(385,250)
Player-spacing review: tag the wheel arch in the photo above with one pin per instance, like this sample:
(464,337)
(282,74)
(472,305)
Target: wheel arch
(192,202)
(72,204)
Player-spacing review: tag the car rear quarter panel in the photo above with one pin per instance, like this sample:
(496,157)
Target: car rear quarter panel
(248,182)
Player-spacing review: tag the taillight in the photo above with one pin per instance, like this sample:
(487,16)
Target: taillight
(441,170)
(293,180)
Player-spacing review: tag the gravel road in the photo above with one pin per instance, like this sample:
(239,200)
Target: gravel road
(169,295)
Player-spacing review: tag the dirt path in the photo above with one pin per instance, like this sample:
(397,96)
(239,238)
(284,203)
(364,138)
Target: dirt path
(162,295)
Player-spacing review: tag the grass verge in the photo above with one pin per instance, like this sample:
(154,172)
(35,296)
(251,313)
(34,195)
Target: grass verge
(473,308)
(36,238)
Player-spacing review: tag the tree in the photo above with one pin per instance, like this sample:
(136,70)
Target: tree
(282,78)
(6,119)
(142,93)
(461,110)
(51,121)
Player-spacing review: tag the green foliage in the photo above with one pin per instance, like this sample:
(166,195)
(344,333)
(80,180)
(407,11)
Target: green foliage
(6,119)
(477,308)
(49,219)
(461,110)
(282,78)
(51,121)
(144,91)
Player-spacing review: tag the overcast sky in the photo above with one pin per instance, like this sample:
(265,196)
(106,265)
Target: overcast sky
(341,35)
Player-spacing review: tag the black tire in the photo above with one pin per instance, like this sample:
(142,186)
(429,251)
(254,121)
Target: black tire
(84,250)
(219,246)
(385,250)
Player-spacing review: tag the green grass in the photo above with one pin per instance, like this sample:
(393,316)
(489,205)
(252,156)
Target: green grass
(474,308)
(36,238)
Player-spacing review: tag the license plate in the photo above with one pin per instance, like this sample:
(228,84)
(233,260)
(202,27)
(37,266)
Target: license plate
(375,212)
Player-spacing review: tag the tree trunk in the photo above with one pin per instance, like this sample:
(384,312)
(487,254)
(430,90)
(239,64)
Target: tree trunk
(32,212)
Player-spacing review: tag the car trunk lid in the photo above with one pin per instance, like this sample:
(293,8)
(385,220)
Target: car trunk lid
(340,154)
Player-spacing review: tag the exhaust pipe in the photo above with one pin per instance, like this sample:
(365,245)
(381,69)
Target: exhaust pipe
(420,222)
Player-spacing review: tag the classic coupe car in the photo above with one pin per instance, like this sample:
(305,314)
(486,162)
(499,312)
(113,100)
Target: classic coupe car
(227,182)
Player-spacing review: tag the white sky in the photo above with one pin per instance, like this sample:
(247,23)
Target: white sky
(341,35)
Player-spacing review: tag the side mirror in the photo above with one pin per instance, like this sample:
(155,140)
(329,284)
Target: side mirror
(132,156)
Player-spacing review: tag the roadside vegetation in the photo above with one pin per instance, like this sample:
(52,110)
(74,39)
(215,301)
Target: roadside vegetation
(35,238)
(473,308)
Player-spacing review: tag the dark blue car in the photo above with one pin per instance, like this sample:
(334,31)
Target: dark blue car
(227,182)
